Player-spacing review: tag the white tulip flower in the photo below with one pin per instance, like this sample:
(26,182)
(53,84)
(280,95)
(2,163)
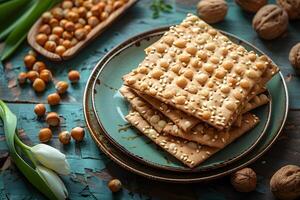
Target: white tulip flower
(53,181)
(51,158)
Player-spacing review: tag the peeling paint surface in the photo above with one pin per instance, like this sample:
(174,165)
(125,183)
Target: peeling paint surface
(91,169)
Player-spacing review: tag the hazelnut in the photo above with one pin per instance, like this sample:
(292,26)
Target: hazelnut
(58,31)
(87,28)
(61,87)
(251,5)
(74,41)
(72,16)
(57,13)
(53,22)
(60,50)
(212,11)
(46,17)
(104,15)
(270,22)
(22,77)
(40,109)
(67,44)
(285,183)
(80,34)
(244,180)
(50,46)
(32,75)
(64,137)
(29,61)
(46,29)
(77,134)
(39,85)
(69,26)
(93,21)
(45,135)
(46,75)
(294,57)
(74,76)
(39,66)
(67,4)
(52,119)
(114,185)
(292,7)
(53,99)
(32,52)
(41,39)
(54,38)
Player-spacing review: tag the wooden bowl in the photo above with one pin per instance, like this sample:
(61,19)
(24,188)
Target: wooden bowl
(69,53)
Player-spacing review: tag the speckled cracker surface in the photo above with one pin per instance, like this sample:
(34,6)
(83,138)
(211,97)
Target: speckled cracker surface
(189,153)
(196,69)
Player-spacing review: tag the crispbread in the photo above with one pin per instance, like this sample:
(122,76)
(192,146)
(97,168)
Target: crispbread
(202,134)
(201,72)
(189,153)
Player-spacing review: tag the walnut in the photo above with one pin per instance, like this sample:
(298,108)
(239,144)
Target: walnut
(251,5)
(244,180)
(212,11)
(294,57)
(285,183)
(292,7)
(270,22)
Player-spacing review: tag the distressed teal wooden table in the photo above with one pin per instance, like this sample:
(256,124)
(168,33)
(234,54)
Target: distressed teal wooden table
(91,169)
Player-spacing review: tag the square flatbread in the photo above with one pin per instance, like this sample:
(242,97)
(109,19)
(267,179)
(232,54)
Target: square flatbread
(202,133)
(198,70)
(189,153)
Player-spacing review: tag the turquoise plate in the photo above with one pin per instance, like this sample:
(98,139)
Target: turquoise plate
(110,109)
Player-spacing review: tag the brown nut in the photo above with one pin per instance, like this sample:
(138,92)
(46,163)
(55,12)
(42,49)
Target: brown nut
(74,76)
(46,75)
(270,22)
(29,61)
(114,185)
(52,119)
(292,7)
(61,87)
(45,135)
(53,99)
(32,75)
(77,134)
(294,57)
(38,66)
(244,180)
(22,77)
(40,109)
(285,183)
(39,85)
(212,11)
(251,5)
(64,137)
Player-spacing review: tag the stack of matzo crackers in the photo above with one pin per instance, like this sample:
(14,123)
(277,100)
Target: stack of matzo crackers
(192,93)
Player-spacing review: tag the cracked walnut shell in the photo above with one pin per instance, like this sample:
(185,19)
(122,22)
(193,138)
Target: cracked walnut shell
(294,57)
(285,183)
(292,7)
(270,22)
(244,180)
(212,11)
(251,5)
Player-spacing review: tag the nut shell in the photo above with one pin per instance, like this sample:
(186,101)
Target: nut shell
(251,5)
(285,183)
(294,57)
(114,185)
(292,7)
(244,180)
(212,11)
(270,22)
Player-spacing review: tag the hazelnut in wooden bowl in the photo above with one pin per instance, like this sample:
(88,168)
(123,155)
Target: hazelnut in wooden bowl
(292,7)
(61,32)
(270,22)
(212,11)
(251,5)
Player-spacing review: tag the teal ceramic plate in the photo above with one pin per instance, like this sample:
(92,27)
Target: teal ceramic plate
(110,109)
(278,118)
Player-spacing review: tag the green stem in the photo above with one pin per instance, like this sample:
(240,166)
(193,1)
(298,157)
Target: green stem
(20,143)
(26,150)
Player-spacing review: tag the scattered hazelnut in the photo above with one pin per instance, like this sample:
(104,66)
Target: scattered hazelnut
(52,119)
(41,39)
(285,183)
(39,85)
(61,87)
(38,66)
(46,75)
(29,60)
(50,46)
(32,75)
(244,180)
(74,76)
(45,135)
(212,11)
(53,99)
(40,109)
(22,77)
(64,137)
(270,22)
(114,185)
(292,7)
(251,5)
(294,57)
(77,134)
